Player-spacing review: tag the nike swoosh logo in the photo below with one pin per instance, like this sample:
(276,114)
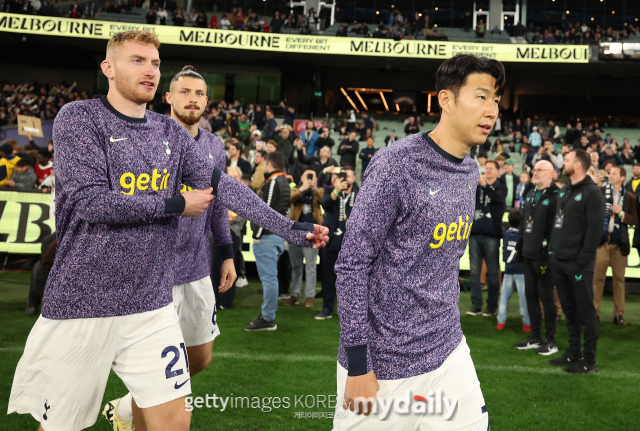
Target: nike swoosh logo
(431,192)
(178,386)
(112,139)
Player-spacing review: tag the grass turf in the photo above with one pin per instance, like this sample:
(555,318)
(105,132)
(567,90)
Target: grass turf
(522,391)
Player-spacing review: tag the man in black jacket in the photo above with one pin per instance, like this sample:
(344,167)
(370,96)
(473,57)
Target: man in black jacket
(535,234)
(337,202)
(323,163)
(268,247)
(577,229)
(484,241)
(349,149)
(235,158)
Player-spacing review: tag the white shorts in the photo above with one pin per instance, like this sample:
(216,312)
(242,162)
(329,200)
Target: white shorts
(453,397)
(195,304)
(61,377)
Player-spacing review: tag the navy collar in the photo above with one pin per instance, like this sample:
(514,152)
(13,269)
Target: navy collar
(120,115)
(439,150)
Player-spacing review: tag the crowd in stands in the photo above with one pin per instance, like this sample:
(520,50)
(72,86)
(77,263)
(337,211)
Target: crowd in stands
(577,33)
(36,100)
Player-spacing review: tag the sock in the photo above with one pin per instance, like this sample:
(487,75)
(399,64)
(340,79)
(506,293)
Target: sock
(124,409)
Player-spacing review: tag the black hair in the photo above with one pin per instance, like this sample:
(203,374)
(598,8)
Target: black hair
(494,163)
(46,153)
(623,171)
(238,145)
(188,72)
(453,73)
(347,168)
(563,179)
(246,177)
(276,159)
(483,155)
(515,217)
(584,159)
(22,163)
(263,153)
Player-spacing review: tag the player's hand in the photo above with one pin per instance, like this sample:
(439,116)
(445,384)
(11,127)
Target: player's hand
(228,275)
(320,236)
(197,202)
(359,388)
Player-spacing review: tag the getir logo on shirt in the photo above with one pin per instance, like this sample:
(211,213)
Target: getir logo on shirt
(456,231)
(157,181)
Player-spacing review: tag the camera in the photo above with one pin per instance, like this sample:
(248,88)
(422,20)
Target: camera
(310,177)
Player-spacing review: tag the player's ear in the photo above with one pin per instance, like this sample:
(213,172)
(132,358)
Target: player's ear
(107,69)
(445,98)
(168,96)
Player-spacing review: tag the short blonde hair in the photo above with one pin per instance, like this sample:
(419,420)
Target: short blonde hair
(235,169)
(142,36)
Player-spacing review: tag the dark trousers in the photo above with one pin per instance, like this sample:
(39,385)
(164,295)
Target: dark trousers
(284,273)
(39,276)
(225,298)
(329,259)
(487,248)
(575,289)
(538,286)
(238,259)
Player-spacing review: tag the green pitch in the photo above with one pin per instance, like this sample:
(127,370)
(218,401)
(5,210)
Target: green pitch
(522,391)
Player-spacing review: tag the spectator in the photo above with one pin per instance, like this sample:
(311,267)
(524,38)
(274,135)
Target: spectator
(514,274)
(8,162)
(23,177)
(609,155)
(496,30)
(270,125)
(276,23)
(325,17)
(535,140)
(324,140)
(484,240)
(348,150)
(309,137)
(306,207)
(213,22)
(322,164)
(391,138)
(224,24)
(480,29)
(620,213)
(289,114)
(363,30)
(481,160)
(43,167)
(342,31)
(521,189)
(284,139)
(443,37)
(75,10)
(234,160)
(178,19)
(161,17)
(411,127)
(244,126)
(367,154)
(272,146)
(257,180)
(338,202)
(518,32)
(511,181)
(268,247)
(546,153)
(151,16)
(548,38)
(201,21)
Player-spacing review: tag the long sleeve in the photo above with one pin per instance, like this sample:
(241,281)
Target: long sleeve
(631,215)
(241,200)
(81,167)
(220,228)
(497,192)
(375,211)
(595,208)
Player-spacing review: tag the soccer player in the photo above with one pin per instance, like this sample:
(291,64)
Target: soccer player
(193,295)
(397,273)
(108,300)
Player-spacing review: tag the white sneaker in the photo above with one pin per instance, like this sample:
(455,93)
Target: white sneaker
(241,282)
(110,413)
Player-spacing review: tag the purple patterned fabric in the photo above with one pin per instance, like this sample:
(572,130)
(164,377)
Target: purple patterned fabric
(397,273)
(193,252)
(116,243)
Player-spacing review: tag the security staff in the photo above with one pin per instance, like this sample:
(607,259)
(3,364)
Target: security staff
(535,232)
(576,233)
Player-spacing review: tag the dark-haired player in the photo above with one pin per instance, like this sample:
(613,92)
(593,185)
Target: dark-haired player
(193,296)
(398,269)
(108,300)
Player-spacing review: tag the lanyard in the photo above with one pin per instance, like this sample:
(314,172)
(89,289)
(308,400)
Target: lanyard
(533,200)
(277,174)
